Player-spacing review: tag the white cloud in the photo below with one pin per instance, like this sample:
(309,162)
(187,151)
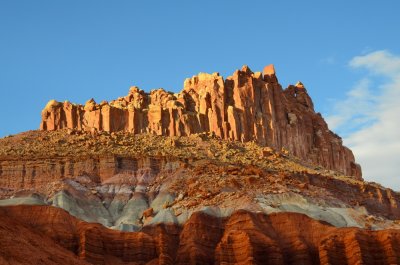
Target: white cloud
(356,111)
(371,120)
(379,62)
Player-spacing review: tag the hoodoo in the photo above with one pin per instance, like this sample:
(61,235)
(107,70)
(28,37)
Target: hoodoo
(247,106)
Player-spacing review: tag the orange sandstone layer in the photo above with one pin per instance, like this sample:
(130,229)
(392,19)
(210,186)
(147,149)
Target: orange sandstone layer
(243,238)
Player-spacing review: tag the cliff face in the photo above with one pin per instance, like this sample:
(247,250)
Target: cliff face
(114,178)
(245,107)
(243,238)
(37,174)
(48,176)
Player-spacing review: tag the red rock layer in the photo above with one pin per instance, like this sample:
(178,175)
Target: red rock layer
(245,107)
(243,238)
(24,245)
(36,174)
(39,174)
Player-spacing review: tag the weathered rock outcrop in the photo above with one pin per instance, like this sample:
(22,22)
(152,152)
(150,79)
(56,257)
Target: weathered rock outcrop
(243,238)
(21,244)
(36,174)
(246,106)
(47,176)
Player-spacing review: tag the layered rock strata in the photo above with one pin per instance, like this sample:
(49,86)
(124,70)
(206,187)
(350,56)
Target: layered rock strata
(36,174)
(243,238)
(245,107)
(99,179)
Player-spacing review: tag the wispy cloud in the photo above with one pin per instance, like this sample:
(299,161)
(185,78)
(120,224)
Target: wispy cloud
(370,117)
(328,60)
(356,111)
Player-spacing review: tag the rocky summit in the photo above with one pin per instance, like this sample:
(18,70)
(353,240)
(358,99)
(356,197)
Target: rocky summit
(245,107)
(227,171)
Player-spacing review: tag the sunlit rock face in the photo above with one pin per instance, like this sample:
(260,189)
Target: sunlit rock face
(228,171)
(245,107)
(243,238)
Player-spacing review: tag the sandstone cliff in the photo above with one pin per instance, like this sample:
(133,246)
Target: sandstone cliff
(243,238)
(245,107)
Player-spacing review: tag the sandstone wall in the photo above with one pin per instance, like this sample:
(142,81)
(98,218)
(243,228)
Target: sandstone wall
(38,174)
(243,238)
(246,106)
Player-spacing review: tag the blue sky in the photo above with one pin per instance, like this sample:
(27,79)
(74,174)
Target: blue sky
(76,50)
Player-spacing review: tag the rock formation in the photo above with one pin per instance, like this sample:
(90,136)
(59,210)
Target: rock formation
(140,173)
(228,171)
(127,181)
(244,107)
(243,238)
